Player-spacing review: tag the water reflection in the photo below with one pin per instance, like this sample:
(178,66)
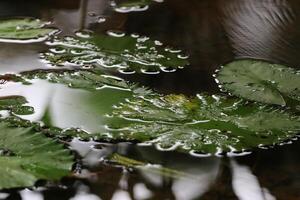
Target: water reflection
(246,186)
(212,178)
(213,32)
(61,106)
(16,58)
(259,29)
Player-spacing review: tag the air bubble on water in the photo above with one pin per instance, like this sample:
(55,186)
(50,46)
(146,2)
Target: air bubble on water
(167,69)
(147,71)
(134,35)
(76,51)
(144,144)
(84,33)
(142,39)
(238,153)
(263,146)
(101,20)
(57,50)
(171,148)
(220,152)
(116,33)
(125,9)
(126,71)
(184,57)
(171,50)
(158,43)
(199,154)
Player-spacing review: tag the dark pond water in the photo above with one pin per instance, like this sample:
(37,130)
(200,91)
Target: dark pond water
(212,33)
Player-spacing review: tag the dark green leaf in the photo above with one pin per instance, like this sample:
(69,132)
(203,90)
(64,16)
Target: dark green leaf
(261,81)
(27,156)
(206,124)
(14,30)
(15,104)
(90,95)
(128,54)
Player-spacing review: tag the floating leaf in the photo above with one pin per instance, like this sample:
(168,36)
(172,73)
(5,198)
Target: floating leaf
(261,81)
(84,103)
(89,80)
(27,156)
(128,54)
(23,30)
(206,124)
(15,104)
(133,5)
(83,79)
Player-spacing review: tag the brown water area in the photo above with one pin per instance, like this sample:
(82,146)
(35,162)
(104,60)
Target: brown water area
(212,33)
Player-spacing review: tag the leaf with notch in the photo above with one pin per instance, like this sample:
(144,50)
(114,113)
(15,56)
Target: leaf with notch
(261,81)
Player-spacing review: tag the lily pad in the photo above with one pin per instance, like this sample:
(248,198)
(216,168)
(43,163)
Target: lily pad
(127,54)
(261,81)
(23,30)
(202,125)
(16,105)
(27,156)
(133,5)
(69,99)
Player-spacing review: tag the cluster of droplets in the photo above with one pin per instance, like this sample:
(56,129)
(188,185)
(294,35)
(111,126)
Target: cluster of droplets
(146,56)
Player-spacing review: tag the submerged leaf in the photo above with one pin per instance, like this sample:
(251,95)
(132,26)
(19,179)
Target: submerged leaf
(128,54)
(18,30)
(150,168)
(27,156)
(261,81)
(206,124)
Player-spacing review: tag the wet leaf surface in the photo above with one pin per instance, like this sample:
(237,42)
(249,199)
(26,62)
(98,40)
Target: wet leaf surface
(128,54)
(27,156)
(133,5)
(261,81)
(15,105)
(67,98)
(24,29)
(206,124)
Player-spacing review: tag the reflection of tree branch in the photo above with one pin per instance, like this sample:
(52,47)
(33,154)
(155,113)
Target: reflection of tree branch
(83,10)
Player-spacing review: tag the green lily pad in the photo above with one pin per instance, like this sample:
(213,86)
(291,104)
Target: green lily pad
(206,124)
(89,80)
(27,156)
(70,99)
(127,54)
(15,104)
(133,5)
(261,81)
(23,30)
